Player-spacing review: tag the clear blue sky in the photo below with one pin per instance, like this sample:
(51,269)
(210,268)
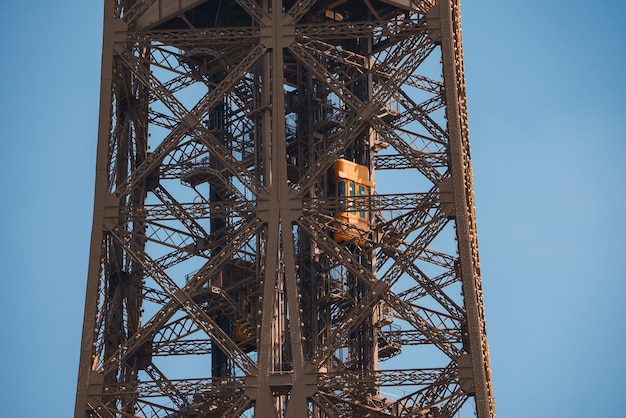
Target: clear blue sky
(546,91)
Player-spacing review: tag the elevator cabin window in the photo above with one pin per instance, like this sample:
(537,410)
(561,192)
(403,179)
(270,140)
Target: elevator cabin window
(349,206)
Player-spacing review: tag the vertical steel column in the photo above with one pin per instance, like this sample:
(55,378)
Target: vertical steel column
(463,190)
(89,380)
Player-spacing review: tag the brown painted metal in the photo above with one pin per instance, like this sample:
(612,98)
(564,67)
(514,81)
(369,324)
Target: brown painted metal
(216,286)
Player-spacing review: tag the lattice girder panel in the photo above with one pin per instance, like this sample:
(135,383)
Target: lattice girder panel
(228,276)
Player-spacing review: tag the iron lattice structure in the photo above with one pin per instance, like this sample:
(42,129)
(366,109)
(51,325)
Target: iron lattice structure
(221,281)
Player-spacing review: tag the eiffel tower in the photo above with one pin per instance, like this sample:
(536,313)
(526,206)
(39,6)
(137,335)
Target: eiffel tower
(284,214)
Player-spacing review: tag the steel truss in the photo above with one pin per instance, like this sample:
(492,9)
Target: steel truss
(217,287)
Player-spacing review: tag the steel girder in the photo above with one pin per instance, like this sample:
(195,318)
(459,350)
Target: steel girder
(216,287)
